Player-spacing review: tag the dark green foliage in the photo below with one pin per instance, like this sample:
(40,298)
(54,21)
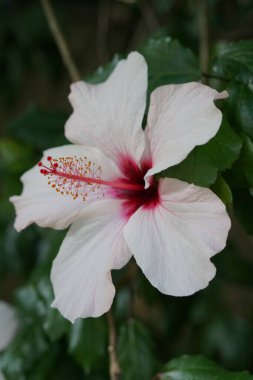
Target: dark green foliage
(239,107)
(169,62)
(103,72)
(198,368)
(29,346)
(47,124)
(243,205)
(14,156)
(203,164)
(88,343)
(135,352)
(222,189)
(26,46)
(235,61)
(54,325)
(247,159)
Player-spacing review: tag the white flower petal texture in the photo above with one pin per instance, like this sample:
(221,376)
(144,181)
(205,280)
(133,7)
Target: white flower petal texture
(108,116)
(42,205)
(180,117)
(173,242)
(81,274)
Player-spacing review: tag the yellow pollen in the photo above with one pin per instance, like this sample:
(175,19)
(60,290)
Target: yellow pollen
(63,175)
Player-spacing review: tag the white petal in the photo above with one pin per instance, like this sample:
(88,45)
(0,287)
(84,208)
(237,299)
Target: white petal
(8,324)
(41,204)
(109,115)
(180,117)
(173,242)
(81,273)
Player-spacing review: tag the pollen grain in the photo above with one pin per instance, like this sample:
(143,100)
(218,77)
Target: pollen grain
(73,176)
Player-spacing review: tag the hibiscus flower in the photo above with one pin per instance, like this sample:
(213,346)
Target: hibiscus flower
(104,185)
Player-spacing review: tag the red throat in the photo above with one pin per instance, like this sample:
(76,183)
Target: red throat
(132,200)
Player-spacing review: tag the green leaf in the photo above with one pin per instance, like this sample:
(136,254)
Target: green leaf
(169,62)
(234,268)
(31,305)
(235,61)
(243,208)
(31,357)
(135,352)
(198,368)
(241,175)
(239,107)
(14,157)
(25,350)
(103,72)
(14,255)
(88,342)
(42,129)
(222,189)
(55,325)
(203,164)
(247,159)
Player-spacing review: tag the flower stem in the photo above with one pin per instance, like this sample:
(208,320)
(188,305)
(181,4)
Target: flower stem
(114,364)
(203,35)
(213,76)
(60,41)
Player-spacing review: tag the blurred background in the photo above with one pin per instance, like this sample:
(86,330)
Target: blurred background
(34,84)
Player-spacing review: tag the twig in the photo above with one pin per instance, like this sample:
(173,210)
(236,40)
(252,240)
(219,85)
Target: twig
(138,35)
(157,377)
(213,76)
(149,15)
(114,364)
(147,23)
(60,41)
(203,35)
(102,31)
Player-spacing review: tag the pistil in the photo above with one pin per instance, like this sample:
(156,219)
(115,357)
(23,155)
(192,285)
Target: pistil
(68,171)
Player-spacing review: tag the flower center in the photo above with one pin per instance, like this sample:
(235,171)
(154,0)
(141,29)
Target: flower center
(148,198)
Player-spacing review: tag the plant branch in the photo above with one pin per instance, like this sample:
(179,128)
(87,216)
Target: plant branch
(157,377)
(60,41)
(203,35)
(102,31)
(149,15)
(114,364)
(213,76)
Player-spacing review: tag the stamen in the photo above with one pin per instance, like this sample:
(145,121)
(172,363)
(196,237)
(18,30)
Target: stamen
(72,176)
(78,177)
